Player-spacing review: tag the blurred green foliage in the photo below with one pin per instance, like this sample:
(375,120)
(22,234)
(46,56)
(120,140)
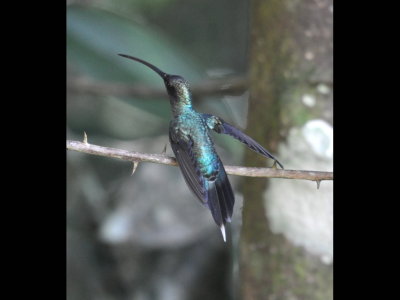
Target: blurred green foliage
(94,37)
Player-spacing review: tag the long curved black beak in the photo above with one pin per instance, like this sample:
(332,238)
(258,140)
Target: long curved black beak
(154,68)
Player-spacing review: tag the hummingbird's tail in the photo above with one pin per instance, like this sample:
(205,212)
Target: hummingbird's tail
(221,199)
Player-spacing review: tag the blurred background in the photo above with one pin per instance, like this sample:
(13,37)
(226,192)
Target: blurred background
(264,66)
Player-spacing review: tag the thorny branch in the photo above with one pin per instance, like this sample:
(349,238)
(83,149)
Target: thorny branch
(137,157)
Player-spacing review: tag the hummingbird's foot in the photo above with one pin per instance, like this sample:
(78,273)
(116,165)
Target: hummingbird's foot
(275,167)
(164,149)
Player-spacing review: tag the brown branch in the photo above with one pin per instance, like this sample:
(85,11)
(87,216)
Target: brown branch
(230,86)
(167,160)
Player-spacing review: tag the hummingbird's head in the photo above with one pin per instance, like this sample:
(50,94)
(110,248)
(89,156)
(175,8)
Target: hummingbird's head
(177,87)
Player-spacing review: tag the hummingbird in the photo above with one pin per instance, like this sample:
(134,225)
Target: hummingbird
(189,136)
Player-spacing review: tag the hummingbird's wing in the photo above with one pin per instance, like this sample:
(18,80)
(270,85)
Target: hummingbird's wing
(215,194)
(187,163)
(220,126)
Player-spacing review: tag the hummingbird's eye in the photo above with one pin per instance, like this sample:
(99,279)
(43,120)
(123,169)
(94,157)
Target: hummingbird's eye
(171,89)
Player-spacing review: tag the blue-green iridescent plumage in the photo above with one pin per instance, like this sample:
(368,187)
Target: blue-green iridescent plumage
(194,149)
(191,126)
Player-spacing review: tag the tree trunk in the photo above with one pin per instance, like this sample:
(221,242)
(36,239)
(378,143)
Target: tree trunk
(270,266)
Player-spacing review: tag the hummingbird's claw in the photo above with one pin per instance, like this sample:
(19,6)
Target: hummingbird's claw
(164,149)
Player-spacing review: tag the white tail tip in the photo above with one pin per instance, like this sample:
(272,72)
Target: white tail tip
(223,232)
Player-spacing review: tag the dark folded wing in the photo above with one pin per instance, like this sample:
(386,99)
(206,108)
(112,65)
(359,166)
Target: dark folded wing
(186,161)
(227,128)
(217,195)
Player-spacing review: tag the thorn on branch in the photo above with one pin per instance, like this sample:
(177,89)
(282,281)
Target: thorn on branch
(85,138)
(318,183)
(135,165)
